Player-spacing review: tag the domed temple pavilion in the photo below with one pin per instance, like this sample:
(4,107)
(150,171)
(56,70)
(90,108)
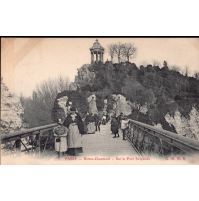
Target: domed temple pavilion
(97,50)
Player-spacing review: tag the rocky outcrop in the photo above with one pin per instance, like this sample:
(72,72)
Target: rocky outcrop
(92,107)
(121,105)
(63,108)
(62,104)
(185,126)
(12,112)
(84,74)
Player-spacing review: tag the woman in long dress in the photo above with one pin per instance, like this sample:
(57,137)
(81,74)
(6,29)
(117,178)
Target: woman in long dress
(90,122)
(75,125)
(114,126)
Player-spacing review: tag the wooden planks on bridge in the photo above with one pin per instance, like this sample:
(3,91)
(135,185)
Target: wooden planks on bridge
(103,144)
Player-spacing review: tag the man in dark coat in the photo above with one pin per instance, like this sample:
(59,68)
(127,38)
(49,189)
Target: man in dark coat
(97,122)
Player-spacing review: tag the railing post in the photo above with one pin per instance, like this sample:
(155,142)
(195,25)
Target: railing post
(38,144)
(18,147)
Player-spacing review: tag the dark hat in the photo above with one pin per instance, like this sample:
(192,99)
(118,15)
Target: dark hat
(73,109)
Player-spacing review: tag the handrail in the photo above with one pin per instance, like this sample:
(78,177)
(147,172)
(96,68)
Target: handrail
(183,143)
(24,133)
(35,139)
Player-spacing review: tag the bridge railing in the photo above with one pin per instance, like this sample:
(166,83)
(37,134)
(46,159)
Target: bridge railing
(34,140)
(149,141)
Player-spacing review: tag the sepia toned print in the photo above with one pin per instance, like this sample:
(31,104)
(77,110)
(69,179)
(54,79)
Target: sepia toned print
(117,101)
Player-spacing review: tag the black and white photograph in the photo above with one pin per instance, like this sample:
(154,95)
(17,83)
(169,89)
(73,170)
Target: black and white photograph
(99,100)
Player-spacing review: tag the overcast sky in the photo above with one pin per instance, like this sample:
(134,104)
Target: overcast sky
(28,61)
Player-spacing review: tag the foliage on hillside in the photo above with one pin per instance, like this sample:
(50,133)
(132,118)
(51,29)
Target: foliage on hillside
(162,90)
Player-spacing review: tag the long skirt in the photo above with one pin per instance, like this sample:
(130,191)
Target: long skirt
(114,129)
(74,140)
(85,127)
(61,143)
(91,127)
(104,121)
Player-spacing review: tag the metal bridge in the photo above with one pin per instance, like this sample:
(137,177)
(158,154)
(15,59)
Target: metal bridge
(142,141)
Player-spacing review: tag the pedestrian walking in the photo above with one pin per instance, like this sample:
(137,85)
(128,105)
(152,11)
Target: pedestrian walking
(90,122)
(114,126)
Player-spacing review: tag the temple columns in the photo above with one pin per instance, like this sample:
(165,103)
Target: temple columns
(92,57)
(96,56)
(99,56)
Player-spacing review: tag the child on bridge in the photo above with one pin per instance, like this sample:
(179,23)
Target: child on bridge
(60,134)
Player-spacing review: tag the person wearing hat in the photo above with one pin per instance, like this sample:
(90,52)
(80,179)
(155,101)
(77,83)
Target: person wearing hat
(75,125)
(114,126)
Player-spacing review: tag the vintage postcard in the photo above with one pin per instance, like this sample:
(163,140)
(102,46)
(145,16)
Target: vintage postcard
(89,101)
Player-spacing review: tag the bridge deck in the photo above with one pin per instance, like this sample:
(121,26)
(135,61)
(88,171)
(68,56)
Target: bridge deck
(103,144)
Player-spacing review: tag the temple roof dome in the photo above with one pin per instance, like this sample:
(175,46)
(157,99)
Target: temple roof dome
(97,46)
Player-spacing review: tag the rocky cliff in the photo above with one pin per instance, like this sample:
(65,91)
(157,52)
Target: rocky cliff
(84,75)
(188,126)
(12,112)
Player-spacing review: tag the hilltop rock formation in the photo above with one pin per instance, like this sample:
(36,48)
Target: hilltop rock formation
(84,75)
(12,112)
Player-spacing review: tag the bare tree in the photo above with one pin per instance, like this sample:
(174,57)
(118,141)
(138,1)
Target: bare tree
(186,71)
(111,50)
(119,47)
(175,68)
(144,63)
(156,63)
(196,75)
(129,51)
(47,90)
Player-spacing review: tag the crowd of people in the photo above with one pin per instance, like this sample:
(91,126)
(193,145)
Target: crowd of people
(68,134)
